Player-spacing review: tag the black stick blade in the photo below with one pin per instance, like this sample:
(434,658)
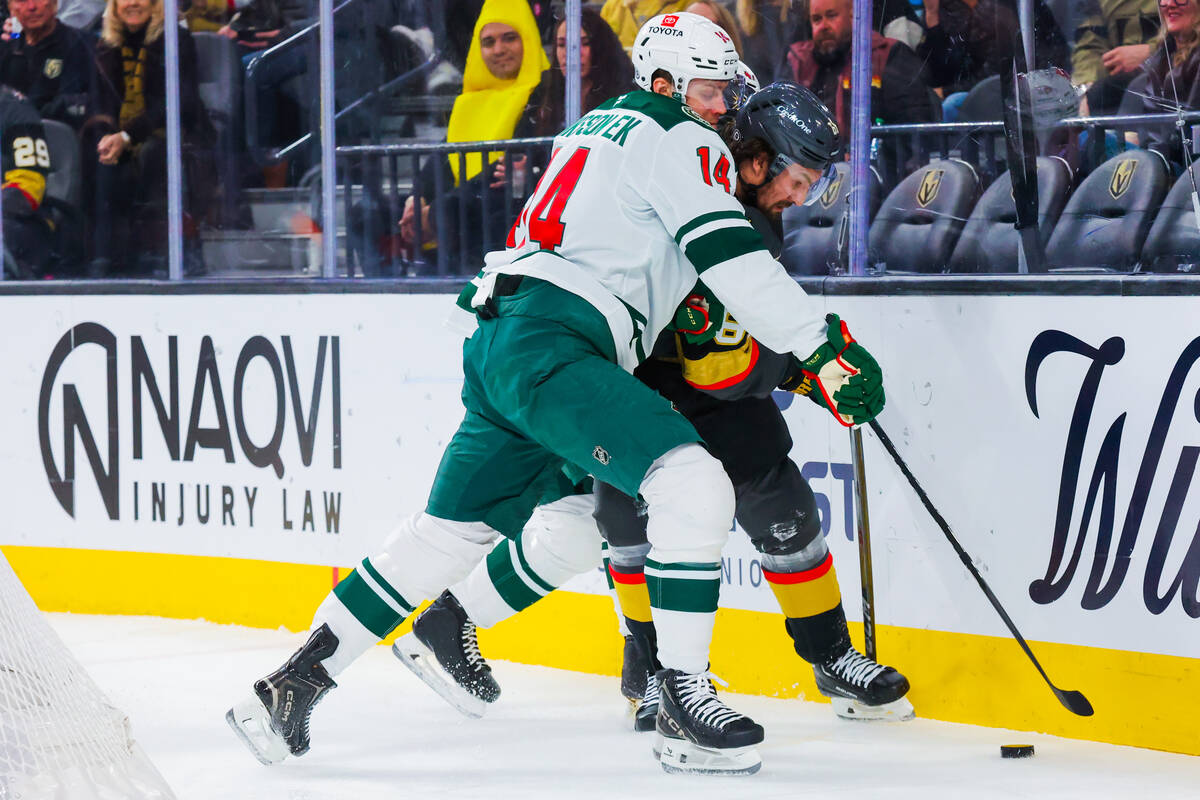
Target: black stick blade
(1074,702)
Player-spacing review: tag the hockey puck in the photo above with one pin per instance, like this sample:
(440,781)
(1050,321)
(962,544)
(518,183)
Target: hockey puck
(1016,750)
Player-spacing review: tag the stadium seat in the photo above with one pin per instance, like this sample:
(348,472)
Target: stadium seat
(982,103)
(1106,221)
(989,241)
(919,222)
(64,184)
(63,202)
(1174,241)
(811,233)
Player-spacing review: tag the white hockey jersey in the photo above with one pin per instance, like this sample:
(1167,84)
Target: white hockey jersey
(636,203)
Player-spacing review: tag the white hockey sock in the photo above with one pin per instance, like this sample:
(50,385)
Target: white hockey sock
(560,541)
(421,558)
(690,502)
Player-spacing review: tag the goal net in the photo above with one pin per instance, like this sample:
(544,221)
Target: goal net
(60,737)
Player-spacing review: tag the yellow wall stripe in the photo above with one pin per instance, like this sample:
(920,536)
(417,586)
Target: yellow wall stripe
(1141,699)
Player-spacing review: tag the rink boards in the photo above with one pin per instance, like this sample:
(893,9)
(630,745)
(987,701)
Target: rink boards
(227,456)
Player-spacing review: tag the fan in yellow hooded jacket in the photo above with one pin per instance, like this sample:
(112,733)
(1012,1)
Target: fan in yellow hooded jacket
(503,67)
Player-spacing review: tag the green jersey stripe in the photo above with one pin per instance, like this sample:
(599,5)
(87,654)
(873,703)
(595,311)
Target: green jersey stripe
(367,607)
(703,219)
(511,587)
(406,606)
(721,245)
(516,543)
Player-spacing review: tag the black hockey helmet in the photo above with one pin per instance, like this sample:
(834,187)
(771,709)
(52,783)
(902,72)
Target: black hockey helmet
(796,125)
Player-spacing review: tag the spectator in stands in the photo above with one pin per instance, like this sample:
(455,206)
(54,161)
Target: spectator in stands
(25,161)
(1111,43)
(605,71)
(128,140)
(49,62)
(899,93)
(1174,74)
(504,66)
(625,17)
(969,40)
(767,28)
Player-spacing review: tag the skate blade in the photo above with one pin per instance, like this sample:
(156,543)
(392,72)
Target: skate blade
(251,721)
(681,757)
(896,711)
(424,664)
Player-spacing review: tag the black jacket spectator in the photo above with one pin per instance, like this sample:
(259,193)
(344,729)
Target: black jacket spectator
(152,120)
(1161,94)
(125,147)
(899,94)
(609,74)
(57,73)
(968,44)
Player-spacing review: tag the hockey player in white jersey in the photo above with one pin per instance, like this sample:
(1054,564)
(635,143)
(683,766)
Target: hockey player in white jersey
(636,204)
(782,138)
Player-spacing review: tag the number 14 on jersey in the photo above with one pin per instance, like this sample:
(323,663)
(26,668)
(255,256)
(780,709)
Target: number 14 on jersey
(541,219)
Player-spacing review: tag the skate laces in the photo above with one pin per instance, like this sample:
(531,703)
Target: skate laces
(650,696)
(699,698)
(856,668)
(470,644)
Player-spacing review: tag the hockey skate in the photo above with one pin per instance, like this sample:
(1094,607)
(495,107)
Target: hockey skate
(274,722)
(860,688)
(699,734)
(634,672)
(645,715)
(442,650)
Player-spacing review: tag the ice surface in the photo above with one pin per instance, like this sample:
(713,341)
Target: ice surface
(553,734)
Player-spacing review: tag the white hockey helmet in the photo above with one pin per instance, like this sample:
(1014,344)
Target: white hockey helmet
(687,46)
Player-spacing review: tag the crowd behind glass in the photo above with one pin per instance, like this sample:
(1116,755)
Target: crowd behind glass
(85,156)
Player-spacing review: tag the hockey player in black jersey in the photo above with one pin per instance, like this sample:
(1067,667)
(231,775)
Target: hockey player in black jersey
(784,143)
(25,159)
(721,379)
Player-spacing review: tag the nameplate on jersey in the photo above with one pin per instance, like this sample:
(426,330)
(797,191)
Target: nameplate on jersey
(613,126)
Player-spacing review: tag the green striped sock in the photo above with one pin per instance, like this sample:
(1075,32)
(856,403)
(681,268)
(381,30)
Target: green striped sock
(372,600)
(515,581)
(684,586)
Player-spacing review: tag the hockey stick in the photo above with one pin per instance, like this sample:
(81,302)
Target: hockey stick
(863,525)
(1072,700)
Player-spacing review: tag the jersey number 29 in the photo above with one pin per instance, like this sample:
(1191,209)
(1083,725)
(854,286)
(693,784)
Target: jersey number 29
(542,215)
(30,152)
